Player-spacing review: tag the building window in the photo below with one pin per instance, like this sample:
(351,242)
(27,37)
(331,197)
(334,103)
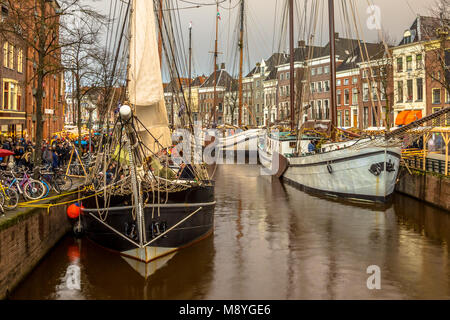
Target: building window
(9,95)
(319,86)
(375,91)
(282,76)
(327,85)
(409,87)
(364,74)
(319,70)
(313,87)
(346,81)
(313,71)
(419,83)
(339,119)
(327,109)
(436,96)
(319,109)
(366,92)
(409,63)
(287,75)
(399,91)
(11,56)
(346,97)
(419,61)
(313,111)
(400,64)
(355,96)
(19,98)
(326,70)
(347,118)
(383,92)
(338,94)
(366,117)
(338,82)
(355,80)
(5,54)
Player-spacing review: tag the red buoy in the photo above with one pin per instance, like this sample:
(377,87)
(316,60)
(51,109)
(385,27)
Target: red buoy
(73,211)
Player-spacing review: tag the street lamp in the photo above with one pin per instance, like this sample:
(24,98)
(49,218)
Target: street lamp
(90,109)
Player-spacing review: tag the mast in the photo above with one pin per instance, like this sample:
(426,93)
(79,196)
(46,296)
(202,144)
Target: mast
(160,15)
(215,63)
(190,62)
(333,110)
(291,69)
(241,58)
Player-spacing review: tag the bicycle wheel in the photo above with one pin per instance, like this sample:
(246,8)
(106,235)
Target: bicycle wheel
(64,182)
(11,199)
(47,188)
(34,190)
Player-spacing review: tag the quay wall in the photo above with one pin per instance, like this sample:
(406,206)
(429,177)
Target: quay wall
(429,187)
(25,237)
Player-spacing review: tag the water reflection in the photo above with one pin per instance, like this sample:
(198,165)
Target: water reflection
(271,241)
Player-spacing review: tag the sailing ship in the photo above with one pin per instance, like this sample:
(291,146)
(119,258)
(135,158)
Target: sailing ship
(360,169)
(143,209)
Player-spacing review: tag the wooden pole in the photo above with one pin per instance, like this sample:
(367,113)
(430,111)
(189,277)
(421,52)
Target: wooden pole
(190,63)
(333,110)
(215,64)
(241,59)
(291,67)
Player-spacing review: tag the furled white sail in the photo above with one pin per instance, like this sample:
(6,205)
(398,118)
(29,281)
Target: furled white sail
(145,86)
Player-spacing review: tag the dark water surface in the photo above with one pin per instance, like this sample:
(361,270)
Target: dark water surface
(271,241)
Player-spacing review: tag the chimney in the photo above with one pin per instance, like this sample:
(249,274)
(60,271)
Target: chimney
(301,43)
(222,66)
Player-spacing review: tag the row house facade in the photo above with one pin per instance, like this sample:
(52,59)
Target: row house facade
(13,85)
(437,80)
(18,77)
(413,86)
(206,96)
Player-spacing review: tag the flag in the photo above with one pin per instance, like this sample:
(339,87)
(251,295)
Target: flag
(218,15)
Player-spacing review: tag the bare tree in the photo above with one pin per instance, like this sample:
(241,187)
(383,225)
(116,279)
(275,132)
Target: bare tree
(437,66)
(40,24)
(79,59)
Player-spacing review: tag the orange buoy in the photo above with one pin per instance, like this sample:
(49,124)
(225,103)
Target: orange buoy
(73,211)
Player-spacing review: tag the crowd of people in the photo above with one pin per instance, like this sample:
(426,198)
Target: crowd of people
(55,152)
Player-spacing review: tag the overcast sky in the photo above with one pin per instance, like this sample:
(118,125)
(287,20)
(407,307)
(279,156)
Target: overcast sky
(263,26)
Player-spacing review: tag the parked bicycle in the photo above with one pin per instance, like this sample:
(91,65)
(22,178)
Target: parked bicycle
(29,188)
(55,179)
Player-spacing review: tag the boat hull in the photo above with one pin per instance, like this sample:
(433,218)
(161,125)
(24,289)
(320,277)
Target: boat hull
(360,174)
(157,219)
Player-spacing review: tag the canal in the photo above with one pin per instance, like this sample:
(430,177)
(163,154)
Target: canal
(271,241)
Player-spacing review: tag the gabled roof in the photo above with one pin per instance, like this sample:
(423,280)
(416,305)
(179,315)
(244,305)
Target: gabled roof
(272,75)
(223,80)
(375,51)
(174,85)
(422,29)
(198,81)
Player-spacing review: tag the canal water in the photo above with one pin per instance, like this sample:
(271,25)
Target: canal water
(271,241)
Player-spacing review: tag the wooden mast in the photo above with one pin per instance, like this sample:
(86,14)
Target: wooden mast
(160,14)
(291,72)
(215,65)
(333,110)
(190,62)
(241,58)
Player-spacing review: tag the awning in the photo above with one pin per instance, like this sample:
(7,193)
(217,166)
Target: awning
(413,116)
(400,120)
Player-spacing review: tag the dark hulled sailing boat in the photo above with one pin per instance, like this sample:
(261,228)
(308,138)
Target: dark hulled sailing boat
(143,210)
